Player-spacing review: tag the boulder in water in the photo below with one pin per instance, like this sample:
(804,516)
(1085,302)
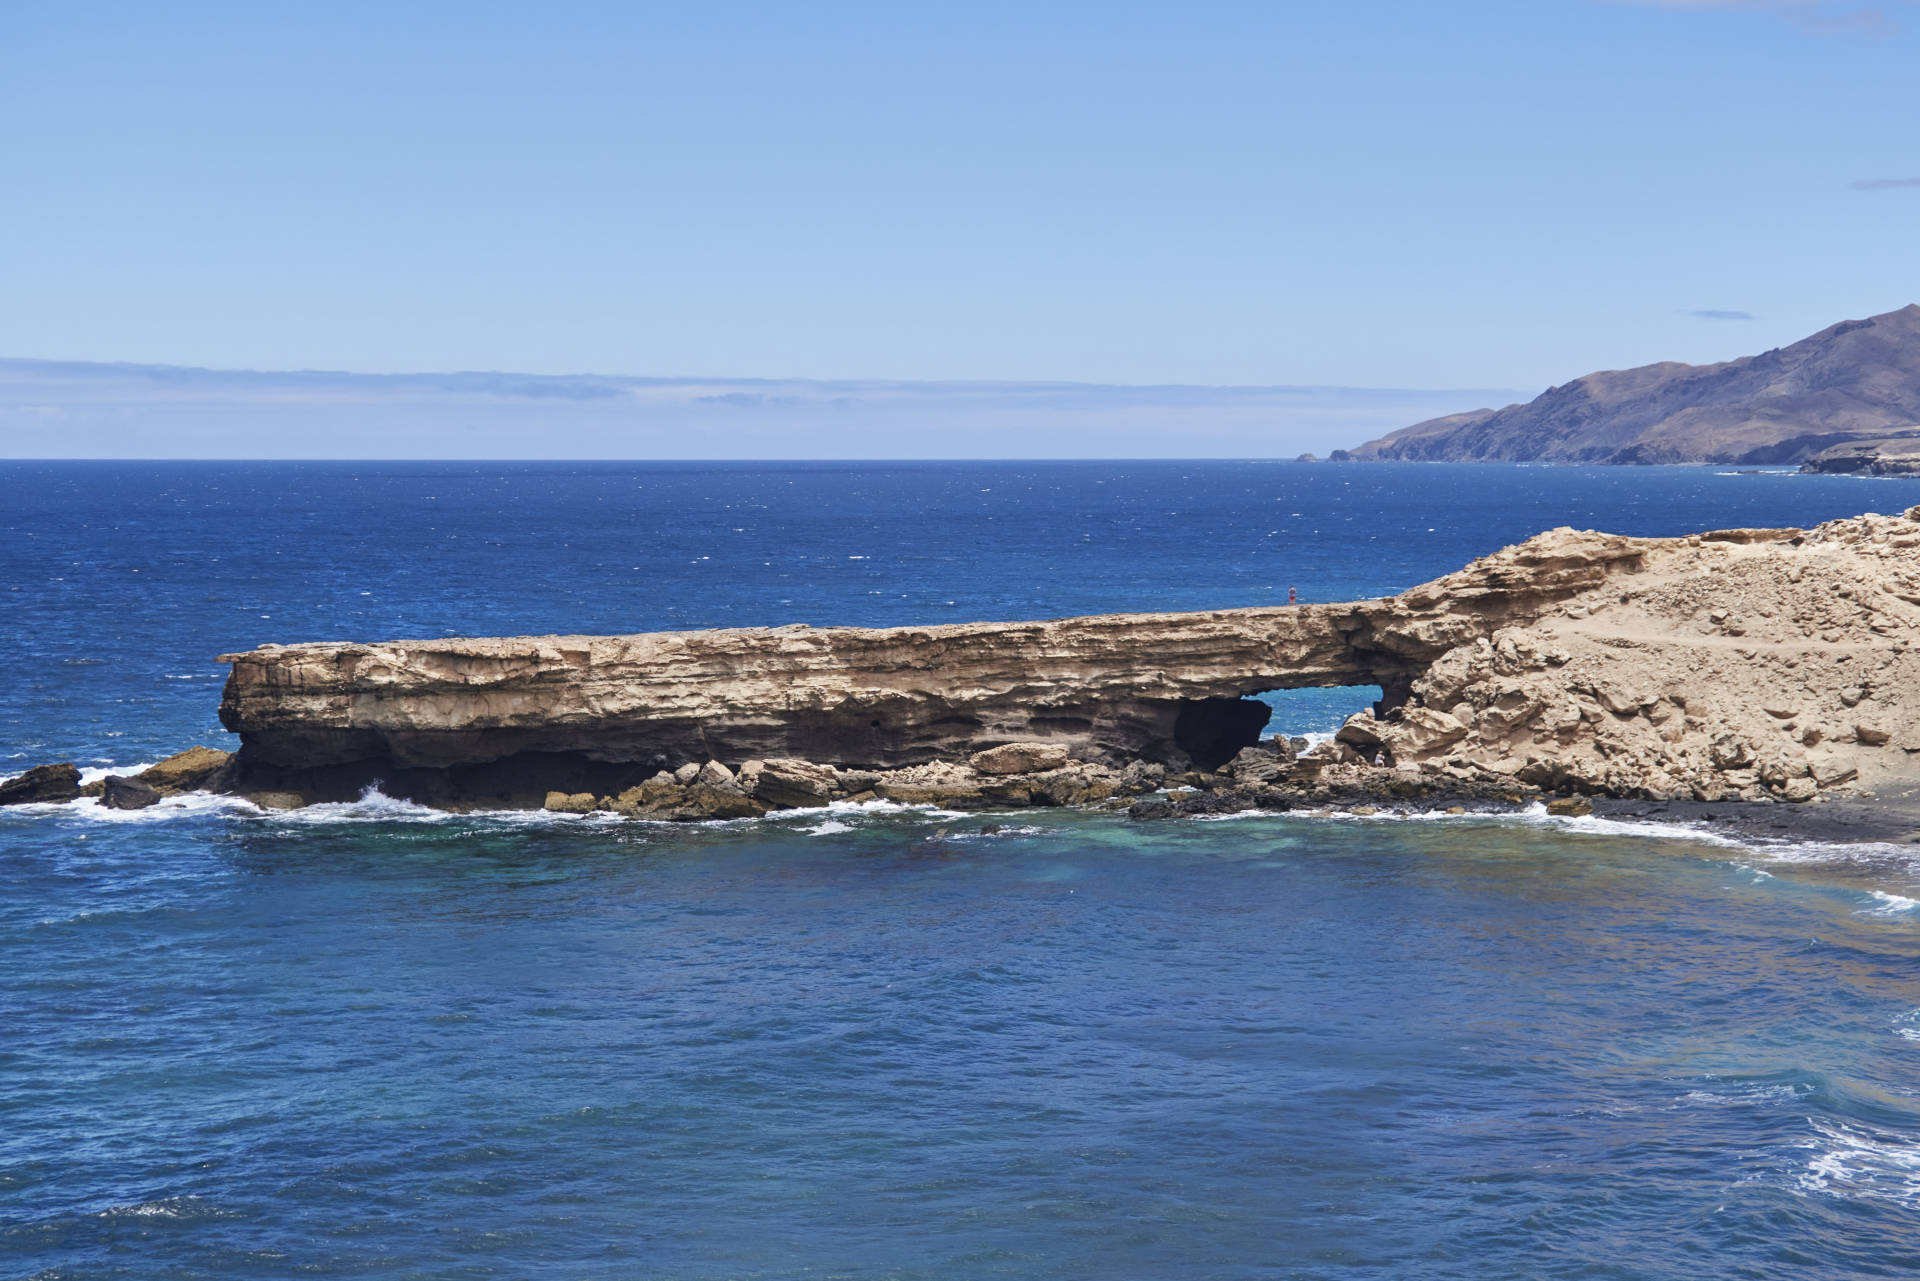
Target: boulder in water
(42,785)
(188,771)
(788,783)
(127,794)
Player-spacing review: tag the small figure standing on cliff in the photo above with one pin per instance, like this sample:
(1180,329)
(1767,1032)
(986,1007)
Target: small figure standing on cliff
(1292,599)
(1380,758)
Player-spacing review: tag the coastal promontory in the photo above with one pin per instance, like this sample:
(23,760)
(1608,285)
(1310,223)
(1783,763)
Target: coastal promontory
(1739,664)
(1853,381)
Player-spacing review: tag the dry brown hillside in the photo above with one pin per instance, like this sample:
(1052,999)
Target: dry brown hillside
(1851,381)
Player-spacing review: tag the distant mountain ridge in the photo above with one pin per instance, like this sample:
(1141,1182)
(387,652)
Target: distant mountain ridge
(1855,380)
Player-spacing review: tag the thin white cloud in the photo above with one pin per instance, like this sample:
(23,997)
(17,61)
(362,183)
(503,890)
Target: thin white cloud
(1818,15)
(1715,313)
(1884,184)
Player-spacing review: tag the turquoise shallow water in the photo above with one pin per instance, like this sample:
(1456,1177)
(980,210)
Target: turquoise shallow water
(373,1041)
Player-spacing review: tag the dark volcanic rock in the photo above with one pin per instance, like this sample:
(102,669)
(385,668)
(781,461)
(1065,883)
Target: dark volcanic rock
(43,784)
(1850,381)
(127,794)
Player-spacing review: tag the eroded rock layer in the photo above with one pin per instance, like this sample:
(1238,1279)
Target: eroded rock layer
(578,713)
(1741,662)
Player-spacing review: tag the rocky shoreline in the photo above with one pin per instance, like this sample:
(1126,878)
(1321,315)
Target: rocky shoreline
(1020,776)
(1735,672)
(1269,779)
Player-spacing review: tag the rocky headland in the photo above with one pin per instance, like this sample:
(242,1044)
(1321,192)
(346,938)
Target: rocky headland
(1765,665)
(1855,381)
(1895,455)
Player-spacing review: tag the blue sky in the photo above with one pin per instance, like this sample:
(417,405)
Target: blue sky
(1423,195)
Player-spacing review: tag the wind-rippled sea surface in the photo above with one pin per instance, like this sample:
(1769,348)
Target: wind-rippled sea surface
(375,1041)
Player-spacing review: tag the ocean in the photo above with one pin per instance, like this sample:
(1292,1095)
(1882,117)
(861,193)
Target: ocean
(375,1041)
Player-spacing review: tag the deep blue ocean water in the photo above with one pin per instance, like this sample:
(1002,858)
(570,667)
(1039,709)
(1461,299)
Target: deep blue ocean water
(372,1041)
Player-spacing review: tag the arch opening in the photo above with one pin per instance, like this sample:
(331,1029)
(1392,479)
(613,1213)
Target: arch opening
(1314,713)
(1211,731)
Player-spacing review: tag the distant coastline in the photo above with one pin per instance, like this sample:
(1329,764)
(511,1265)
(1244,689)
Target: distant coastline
(1854,381)
(63,409)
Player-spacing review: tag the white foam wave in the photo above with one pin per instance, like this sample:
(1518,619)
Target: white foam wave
(1742,1097)
(1895,865)
(1238,815)
(184,805)
(88,809)
(1017,829)
(1534,815)
(94,774)
(173,1207)
(832,812)
(1850,1162)
(374,806)
(1886,904)
(1315,737)
(1596,825)
(888,807)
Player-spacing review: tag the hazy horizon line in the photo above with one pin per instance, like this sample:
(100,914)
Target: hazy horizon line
(167,369)
(137,411)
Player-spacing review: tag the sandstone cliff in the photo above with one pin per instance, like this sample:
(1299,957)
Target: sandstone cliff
(1850,381)
(499,717)
(1738,663)
(1745,663)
